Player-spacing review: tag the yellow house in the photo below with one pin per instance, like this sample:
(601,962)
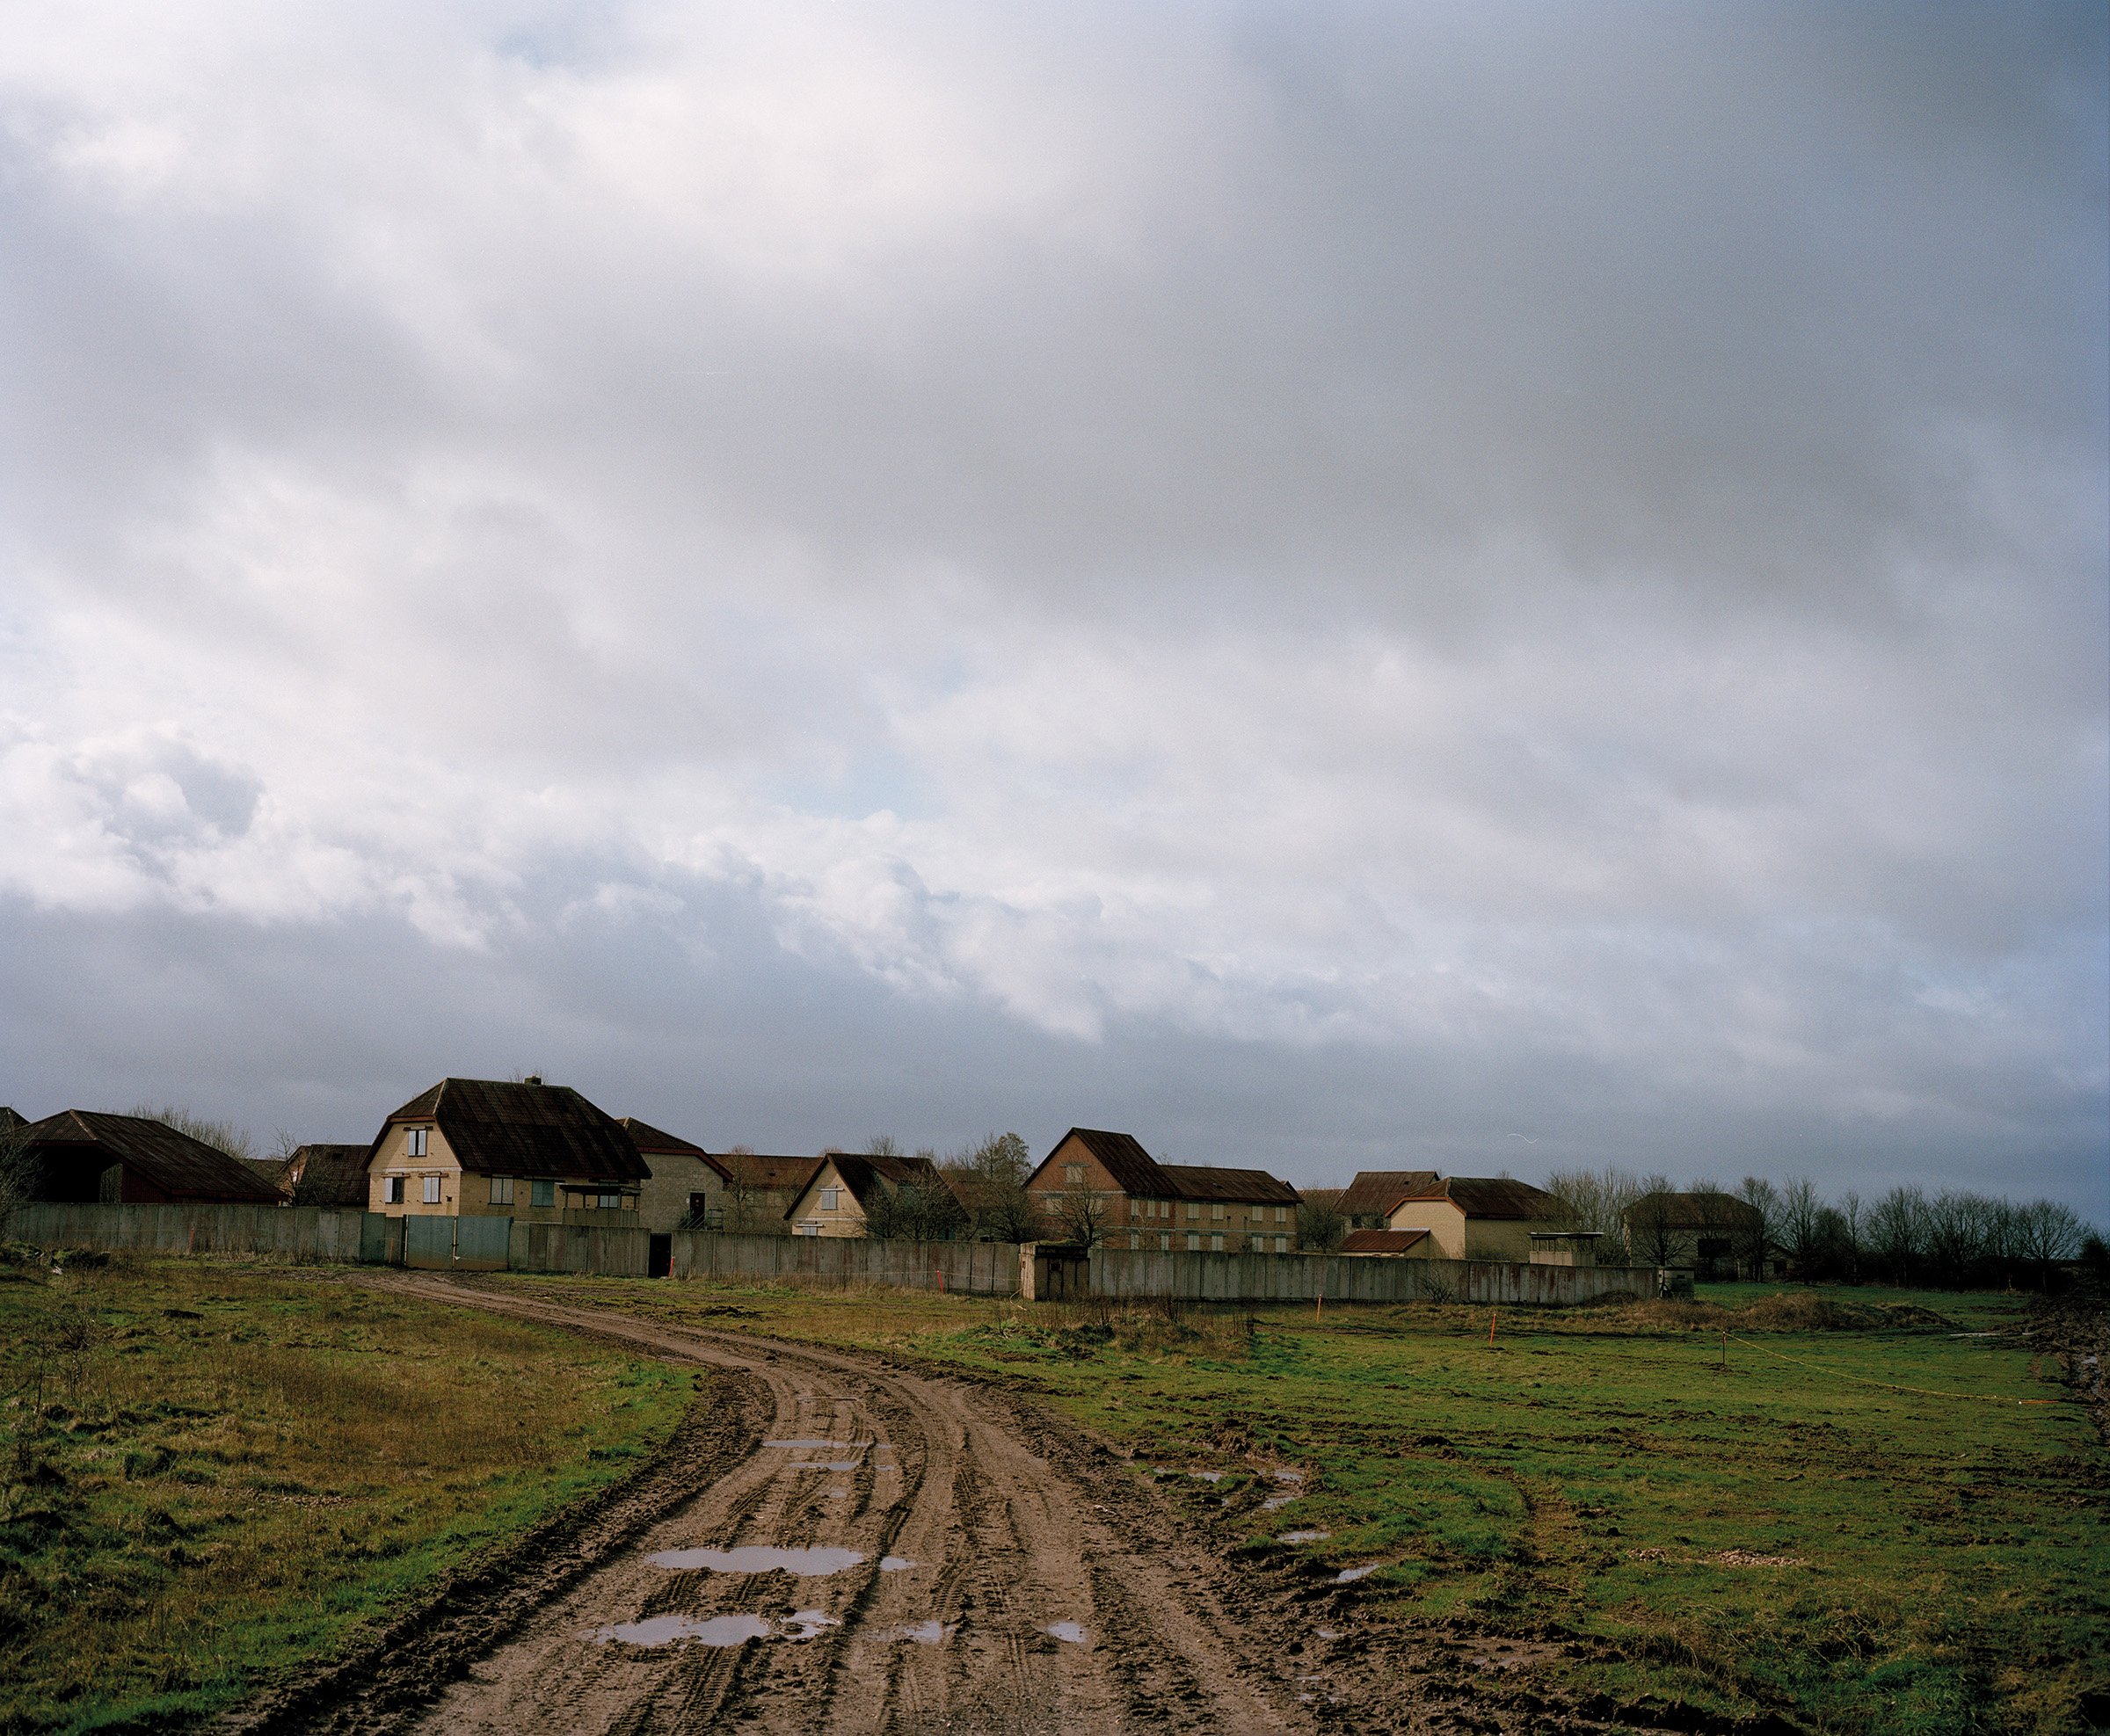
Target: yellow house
(505,1148)
(1472,1217)
(845,1189)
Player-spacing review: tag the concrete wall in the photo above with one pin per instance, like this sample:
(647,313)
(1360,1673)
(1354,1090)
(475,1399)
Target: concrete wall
(959,1268)
(962,1268)
(1306,1277)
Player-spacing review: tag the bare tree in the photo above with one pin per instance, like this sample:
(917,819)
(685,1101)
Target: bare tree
(1803,1233)
(1321,1228)
(1755,1228)
(1080,1215)
(221,1136)
(882,1145)
(20,1173)
(1897,1232)
(1654,1234)
(1596,1198)
(2047,1234)
(990,1182)
(743,1198)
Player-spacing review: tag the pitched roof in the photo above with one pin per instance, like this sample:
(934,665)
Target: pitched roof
(329,1175)
(1381,1241)
(1489,1196)
(769,1175)
(10,1118)
(1244,1187)
(1374,1192)
(1691,1211)
(180,1166)
(507,1126)
(1135,1172)
(865,1175)
(653,1142)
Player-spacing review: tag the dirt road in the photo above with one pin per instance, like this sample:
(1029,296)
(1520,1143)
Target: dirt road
(941,1563)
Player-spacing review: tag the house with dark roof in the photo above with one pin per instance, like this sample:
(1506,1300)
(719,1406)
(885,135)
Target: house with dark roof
(846,1190)
(1097,1185)
(1367,1201)
(1479,1218)
(84,1155)
(506,1148)
(1716,1234)
(687,1188)
(333,1177)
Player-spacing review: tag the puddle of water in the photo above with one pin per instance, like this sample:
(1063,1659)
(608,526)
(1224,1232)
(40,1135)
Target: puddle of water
(805,1623)
(1276,1503)
(666,1630)
(1072,1632)
(1329,1633)
(827,1464)
(758,1559)
(1282,1474)
(927,1633)
(1208,1476)
(1306,1537)
(895,1564)
(1347,1576)
(819,1446)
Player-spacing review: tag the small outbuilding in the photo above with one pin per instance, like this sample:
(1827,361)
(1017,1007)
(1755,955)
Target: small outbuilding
(1479,1217)
(86,1156)
(1389,1244)
(1366,1202)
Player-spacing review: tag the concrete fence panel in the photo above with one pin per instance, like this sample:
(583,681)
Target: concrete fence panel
(844,1262)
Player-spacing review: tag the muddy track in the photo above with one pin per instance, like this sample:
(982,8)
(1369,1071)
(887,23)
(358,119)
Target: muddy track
(1008,1577)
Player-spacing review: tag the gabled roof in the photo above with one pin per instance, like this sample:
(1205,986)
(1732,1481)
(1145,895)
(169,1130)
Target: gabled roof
(177,1164)
(652,1142)
(1692,1211)
(768,1176)
(1489,1196)
(507,1126)
(866,1176)
(1374,1192)
(1240,1187)
(328,1175)
(1135,1172)
(9,1119)
(1381,1241)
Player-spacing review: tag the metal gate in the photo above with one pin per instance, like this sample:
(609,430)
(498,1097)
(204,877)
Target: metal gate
(480,1243)
(428,1243)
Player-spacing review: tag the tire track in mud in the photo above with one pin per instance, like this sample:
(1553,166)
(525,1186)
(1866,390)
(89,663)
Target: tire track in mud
(1005,1540)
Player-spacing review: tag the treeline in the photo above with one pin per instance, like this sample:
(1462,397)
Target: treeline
(981,1196)
(1953,1240)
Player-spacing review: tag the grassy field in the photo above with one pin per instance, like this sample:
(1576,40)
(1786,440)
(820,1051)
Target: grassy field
(238,1466)
(1766,1533)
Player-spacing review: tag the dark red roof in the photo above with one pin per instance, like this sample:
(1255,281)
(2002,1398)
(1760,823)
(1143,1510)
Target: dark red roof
(653,1142)
(328,1175)
(769,1175)
(180,1166)
(1240,1187)
(508,1127)
(1374,1192)
(1490,1196)
(1135,1172)
(1381,1241)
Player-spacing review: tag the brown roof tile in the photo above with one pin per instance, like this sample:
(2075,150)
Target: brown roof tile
(1490,1196)
(1381,1241)
(769,1175)
(505,1127)
(180,1166)
(1374,1192)
(1135,1172)
(1242,1187)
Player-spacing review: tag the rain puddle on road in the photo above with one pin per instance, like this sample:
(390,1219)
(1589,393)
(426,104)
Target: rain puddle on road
(1347,1576)
(895,1564)
(758,1559)
(666,1630)
(927,1633)
(805,1623)
(1072,1632)
(1306,1537)
(827,1464)
(822,1446)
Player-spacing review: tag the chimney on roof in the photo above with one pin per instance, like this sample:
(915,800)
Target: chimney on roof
(532,1079)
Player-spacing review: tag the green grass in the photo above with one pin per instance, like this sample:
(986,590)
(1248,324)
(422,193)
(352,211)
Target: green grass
(1599,1479)
(239,1467)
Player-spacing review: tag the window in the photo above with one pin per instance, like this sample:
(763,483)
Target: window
(1073,1174)
(391,1190)
(1135,1238)
(1282,1214)
(1216,1242)
(1282,1245)
(1164,1207)
(431,1190)
(1165,1244)
(541,1193)
(1194,1241)
(1193,1211)
(807,1228)
(414,1141)
(501,1190)
(607,1202)
(1216,1213)
(829,1197)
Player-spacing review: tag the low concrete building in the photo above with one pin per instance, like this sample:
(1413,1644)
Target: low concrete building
(1565,1247)
(846,1190)
(1479,1217)
(86,1156)
(1096,1185)
(504,1148)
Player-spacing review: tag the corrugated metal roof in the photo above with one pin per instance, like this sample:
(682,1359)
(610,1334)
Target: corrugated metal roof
(507,1126)
(1374,1192)
(1381,1241)
(1237,1187)
(180,1166)
(1490,1196)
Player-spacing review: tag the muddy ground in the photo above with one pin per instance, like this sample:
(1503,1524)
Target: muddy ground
(959,1561)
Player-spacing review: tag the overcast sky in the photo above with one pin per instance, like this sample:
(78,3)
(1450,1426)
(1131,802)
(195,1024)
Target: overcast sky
(1486,586)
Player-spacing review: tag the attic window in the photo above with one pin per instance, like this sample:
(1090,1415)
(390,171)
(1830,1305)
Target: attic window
(829,1197)
(1073,1174)
(414,1141)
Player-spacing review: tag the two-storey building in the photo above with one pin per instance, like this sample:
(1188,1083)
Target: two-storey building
(1103,1186)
